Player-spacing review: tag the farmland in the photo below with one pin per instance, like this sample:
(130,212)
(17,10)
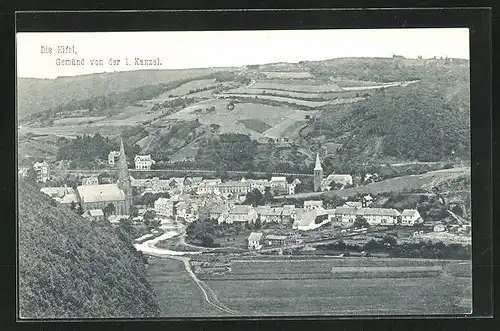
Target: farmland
(287,74)
(297,87)
(266,286)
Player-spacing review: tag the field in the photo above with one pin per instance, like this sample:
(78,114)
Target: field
(287,74)
(291,101)
(185,88)
(397,184)
(246,118)
(78,120)
(297,88)
(259,291)
(177,293)
(307,96)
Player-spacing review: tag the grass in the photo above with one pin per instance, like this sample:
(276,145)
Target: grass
(186,87)
(297,87)
(255,125)
(285,100)
(177,294)
(78,120)
(287,74)
(343,296)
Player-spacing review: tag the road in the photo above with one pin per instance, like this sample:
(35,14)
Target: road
(193,171)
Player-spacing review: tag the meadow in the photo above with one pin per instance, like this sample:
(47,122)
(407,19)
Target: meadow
(297,87)
(264,289)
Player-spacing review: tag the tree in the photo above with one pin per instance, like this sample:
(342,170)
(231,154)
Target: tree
(79,208)
(149,215)
(134,212)
(110,209)
(361,222)
(254,198)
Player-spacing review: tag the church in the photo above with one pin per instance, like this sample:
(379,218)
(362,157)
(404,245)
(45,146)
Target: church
(98,196)
(332,181)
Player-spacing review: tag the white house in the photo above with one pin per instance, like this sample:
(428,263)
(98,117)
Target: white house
(93,180)
(269,214)
(242,214)
(310,219)
(374,216)
(254,240)
(164,207)
(208,187)
(94,214)
(293,185)
(42,171)
(278,184)
(410,217)
(112,157)
(143,162)
(439,228)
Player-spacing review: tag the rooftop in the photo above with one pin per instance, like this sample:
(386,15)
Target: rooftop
(255,236)
(367,211)
(101,192)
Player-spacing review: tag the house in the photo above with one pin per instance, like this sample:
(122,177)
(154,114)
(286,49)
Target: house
(374,216)
(333,180)
(312,204)
(209,187)
(99,196)
(288,213)
(93,180)
(42,171)
(182,209)
(164,207)
(275,240)
(254,240)
(269,214)
(293,185)
(310,219)
(94,214)
(278,184)
(352,204)
(112,156)
(234,188)
(367,200)
(217,210)
(193,182)
(410,217)
(439,228)
(143,162)
(242,214)
(64,195)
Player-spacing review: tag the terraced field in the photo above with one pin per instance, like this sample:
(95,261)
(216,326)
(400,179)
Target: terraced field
(297,87)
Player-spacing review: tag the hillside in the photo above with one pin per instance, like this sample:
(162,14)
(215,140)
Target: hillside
(35,95)
(70,268)
(357,110)
(425,121)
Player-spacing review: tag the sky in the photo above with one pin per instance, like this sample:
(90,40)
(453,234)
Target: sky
(201,49)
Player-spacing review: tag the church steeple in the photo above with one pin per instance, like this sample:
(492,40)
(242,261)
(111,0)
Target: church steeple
(318,174)
(318,163)
(124,178)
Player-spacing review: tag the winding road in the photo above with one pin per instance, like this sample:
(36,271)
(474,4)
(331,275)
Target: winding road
(177,229)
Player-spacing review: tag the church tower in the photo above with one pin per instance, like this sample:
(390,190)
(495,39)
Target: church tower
(124,178)
(318,174)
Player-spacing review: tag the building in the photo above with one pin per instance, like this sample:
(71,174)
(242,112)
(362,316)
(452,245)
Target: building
(93,180)
(42,170)
(374,216)
(254,240)
(269,214)
(217,210)
(279,185)
(318,174)
(235,188)
(100,196)
(209,187)
(439,228)
(94,214)
(143,162)
(112,157)
(293,185)
(353,204)
(164,207)
(276,240)
(124,178)
(288,213)
(310,219)
(118,195)
(410,217)
(336,180)
(242,214)
(312,204)
(64,195)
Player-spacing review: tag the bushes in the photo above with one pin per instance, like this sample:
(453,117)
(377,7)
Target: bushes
(72,268)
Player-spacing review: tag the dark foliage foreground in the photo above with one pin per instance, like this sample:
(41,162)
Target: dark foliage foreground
(71,268)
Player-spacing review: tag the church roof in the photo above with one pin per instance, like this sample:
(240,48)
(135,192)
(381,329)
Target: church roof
(102,192)
(317,166)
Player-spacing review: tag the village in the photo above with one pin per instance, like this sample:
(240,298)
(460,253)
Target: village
(246,209)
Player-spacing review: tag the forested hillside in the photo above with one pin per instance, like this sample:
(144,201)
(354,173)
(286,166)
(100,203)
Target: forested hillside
(70,268)
(425,121)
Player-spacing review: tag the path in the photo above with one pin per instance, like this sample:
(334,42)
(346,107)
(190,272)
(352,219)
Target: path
(149,248)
